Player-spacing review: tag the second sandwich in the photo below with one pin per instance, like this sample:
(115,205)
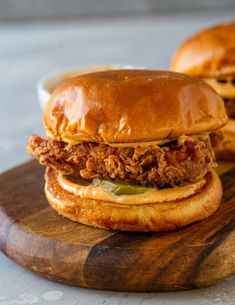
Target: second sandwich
(210,55)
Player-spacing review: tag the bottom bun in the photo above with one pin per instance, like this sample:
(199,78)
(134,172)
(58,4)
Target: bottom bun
(145,217)
(226,150)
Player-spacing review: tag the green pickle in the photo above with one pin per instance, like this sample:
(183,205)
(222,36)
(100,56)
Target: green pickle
(120,188)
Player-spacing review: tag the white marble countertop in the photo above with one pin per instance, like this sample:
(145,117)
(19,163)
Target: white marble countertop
(27,51)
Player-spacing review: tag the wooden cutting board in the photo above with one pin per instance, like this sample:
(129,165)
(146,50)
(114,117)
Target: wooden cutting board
(36,237)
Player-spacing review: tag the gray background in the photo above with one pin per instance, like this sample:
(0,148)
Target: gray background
(29,10)
(140,33)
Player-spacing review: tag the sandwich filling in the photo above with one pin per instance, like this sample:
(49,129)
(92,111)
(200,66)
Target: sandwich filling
(226,88)
(174,163)
(124,193)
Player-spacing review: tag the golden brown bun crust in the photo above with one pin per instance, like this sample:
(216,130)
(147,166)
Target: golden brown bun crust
(209,53)
(146,217)
(126,106)
(227,149)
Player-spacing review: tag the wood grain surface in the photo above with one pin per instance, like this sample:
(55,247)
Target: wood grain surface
(36,237)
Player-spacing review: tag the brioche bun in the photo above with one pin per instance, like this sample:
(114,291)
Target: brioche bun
(129,106)
(159,216)
(209,53)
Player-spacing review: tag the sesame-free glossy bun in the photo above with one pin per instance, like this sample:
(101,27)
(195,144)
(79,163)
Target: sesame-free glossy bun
(158,216)
(128,106)
(209,53)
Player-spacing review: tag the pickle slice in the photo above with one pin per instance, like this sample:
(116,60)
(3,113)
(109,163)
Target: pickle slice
(120,188)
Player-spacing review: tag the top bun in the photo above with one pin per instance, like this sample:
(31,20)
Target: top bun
(209,53)
(129,106)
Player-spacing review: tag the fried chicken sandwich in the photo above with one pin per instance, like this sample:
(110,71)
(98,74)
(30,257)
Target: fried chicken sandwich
(132,149)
